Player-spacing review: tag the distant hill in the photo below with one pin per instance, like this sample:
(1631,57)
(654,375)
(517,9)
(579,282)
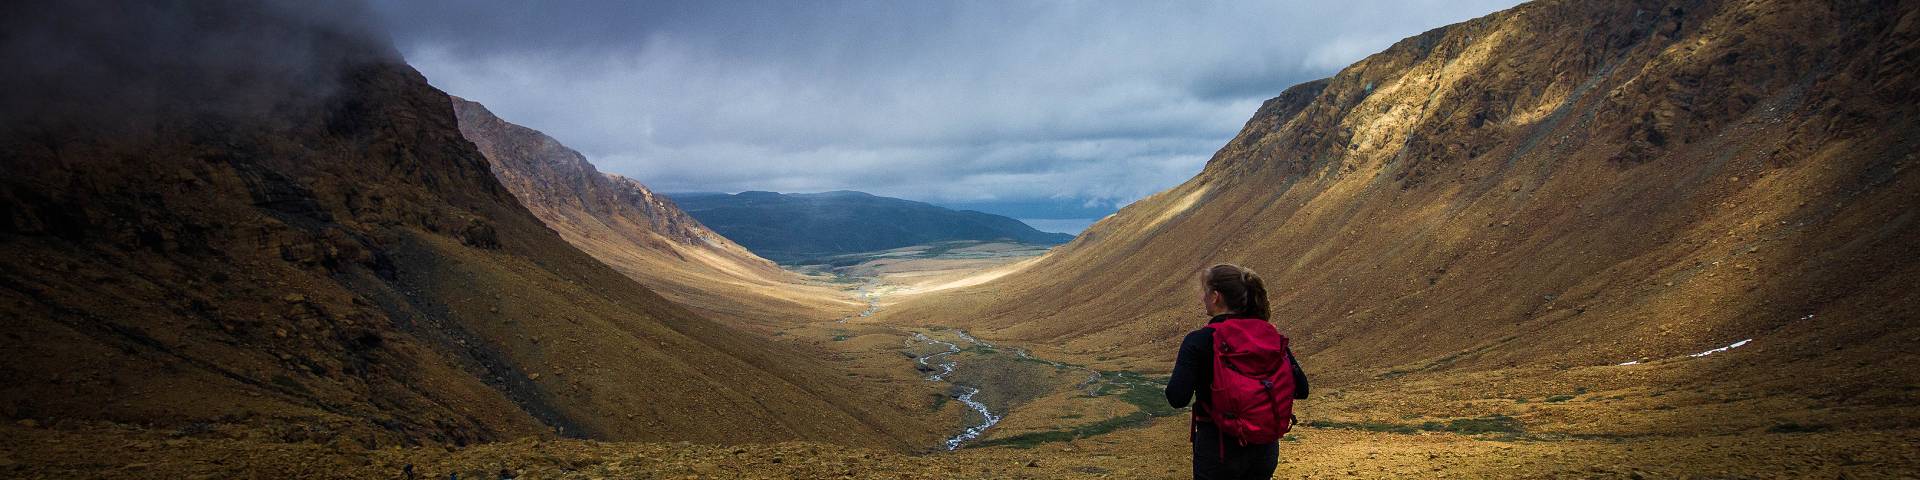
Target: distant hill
(797,227)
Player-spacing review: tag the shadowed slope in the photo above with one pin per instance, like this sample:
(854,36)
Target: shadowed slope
(271,227)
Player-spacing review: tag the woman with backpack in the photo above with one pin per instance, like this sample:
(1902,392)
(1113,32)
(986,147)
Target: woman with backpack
(1244,376)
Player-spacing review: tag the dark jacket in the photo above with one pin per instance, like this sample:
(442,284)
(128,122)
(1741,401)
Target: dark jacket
(1193,371)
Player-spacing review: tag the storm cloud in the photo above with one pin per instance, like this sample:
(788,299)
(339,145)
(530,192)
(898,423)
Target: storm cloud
(1055,109)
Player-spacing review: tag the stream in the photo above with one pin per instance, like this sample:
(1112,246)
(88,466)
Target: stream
(873,303)
(941,369)
(941,366)
(944,368)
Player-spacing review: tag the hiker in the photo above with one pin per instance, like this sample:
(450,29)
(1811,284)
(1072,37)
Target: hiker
(1244,374)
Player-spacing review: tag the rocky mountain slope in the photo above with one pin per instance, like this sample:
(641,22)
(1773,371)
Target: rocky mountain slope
(640,233)
(802,227)
(1518,203)
(251,220)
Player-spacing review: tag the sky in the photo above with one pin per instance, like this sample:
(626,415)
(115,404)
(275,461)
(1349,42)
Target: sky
(1055,112)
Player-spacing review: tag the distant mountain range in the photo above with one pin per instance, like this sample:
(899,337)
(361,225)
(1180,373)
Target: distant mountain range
(797,227)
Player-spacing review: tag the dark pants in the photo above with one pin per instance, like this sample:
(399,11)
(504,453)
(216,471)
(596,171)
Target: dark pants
(1238,462)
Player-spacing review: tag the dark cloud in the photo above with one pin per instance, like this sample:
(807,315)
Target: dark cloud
(100,64)
(1076,103)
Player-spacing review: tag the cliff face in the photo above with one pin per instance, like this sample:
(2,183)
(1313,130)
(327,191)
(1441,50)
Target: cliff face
(243,217)
(639,233)
(558,184)
(1559,185)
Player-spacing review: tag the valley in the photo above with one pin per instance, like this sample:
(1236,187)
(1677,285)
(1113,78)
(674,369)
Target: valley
(983,387)
(1619,240)
(980,383)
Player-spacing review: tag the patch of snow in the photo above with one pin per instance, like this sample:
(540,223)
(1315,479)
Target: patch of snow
(1721,349)
(1701,354)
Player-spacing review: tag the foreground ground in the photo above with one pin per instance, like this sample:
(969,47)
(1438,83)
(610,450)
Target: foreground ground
(1156,451)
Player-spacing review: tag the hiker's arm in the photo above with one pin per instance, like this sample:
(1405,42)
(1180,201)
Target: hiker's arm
(1186,371)
(1299,376)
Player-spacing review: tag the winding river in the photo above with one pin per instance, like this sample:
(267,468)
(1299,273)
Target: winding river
(943,368)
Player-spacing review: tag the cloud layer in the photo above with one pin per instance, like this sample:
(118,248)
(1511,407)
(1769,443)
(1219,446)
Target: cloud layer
(1093,104)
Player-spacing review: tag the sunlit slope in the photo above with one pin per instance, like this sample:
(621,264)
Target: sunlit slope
(292,241)
(1560,184)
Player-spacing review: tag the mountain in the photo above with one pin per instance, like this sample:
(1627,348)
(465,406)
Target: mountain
(252,220)
(640,233)
(1516,204)
(796,227)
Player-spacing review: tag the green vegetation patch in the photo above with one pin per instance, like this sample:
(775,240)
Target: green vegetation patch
(1136,389)
(1056,365)
(1151,400)
(1130,387)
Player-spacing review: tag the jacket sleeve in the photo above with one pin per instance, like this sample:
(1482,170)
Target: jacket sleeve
(1189,368)
(1299,376)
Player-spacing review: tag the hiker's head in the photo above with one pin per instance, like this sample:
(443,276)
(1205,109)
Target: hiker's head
(1229,288)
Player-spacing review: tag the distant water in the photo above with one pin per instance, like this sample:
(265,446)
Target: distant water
(1060,225)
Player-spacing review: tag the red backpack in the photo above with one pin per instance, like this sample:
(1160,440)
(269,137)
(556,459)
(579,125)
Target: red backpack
(1252,393)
